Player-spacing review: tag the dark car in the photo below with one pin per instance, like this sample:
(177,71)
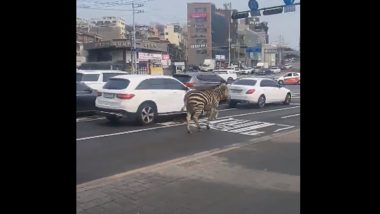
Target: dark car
(264,72)
(85,99)
(200,80)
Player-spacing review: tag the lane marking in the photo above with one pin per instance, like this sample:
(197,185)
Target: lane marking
(89,119)
(179,124)
(293,115)
(283,128)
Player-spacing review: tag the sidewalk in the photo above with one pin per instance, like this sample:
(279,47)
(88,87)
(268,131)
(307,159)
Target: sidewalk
(258,177)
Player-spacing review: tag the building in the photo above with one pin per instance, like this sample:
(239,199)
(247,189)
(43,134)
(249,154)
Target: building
(173,33)
(207,32)
(83,38)
(83,25)
(109,27)
(116,54)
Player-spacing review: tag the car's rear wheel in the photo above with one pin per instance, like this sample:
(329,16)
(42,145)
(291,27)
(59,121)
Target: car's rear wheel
(230,80)
(232,103)
(280,82)
(261,101)
(146,114)
(288,99)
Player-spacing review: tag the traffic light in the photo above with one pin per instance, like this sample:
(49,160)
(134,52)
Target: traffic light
(239,15)
(272,11)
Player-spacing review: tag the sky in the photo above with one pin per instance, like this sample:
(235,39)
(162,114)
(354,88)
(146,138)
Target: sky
(286,25)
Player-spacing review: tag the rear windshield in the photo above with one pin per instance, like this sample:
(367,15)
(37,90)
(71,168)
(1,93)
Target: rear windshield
(182,78)
(116,84)
(221,72)
(245,82)
(87,77)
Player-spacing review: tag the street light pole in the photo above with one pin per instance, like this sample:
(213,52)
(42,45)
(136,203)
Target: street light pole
(229,37)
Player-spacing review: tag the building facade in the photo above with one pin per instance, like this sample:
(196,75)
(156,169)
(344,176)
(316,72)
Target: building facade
(109,27)
(117,54)
(173,33)
(208,32)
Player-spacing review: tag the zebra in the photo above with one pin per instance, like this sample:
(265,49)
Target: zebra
(198,101)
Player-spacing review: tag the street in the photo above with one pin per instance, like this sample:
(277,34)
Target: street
(105,149)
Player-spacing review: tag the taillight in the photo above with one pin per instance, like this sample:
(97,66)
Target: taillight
(99,93)
(125,96)
(250,91)
(189,84)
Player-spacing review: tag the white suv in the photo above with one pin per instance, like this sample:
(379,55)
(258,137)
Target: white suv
(141,97)
(95,79)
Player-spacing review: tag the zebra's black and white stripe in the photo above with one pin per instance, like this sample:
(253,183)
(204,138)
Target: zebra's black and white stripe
(197,101)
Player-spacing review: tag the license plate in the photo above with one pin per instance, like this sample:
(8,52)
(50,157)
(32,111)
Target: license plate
(236,90)
(108,95)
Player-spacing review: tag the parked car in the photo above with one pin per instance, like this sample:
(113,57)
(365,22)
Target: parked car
(275,69)
(200,80)
(288,66)
(85,99)
(228,75)
(95,79)
(290,78)
(258,91)
(140,97)
(263,71)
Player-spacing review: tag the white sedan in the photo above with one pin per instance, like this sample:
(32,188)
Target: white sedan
(258,91)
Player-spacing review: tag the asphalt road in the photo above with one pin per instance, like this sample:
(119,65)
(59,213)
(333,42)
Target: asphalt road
(105,149)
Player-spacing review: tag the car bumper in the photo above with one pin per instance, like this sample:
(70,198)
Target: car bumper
(244,98)
(114,112)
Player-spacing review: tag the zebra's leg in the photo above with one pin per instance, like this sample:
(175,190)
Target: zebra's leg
(188,120)
(210,115)
(195,118)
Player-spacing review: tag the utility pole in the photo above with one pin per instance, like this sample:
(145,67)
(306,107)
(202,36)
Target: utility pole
(134,52)
(229,36)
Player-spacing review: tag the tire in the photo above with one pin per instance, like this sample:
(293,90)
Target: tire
(113,119)
(232,104)
(288,99)
(146,114)
(261,101)
(229,80)
(280,82)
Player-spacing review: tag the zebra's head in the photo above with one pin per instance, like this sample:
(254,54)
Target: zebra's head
(223,92)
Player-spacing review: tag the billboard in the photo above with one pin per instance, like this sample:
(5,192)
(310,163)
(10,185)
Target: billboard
(198,15)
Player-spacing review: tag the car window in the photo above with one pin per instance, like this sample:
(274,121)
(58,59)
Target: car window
(182,78)
(268,83)
(82,87)
(107,76)
(209,78)
(295,74)
(173,85)
(289,75)
(245,82)
(87,77)
(149,84)
(221,72)
(116,84)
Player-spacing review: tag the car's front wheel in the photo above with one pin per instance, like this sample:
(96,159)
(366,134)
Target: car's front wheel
(288,99)
(280,82)
(146,114)
(230,80)
(113,119)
